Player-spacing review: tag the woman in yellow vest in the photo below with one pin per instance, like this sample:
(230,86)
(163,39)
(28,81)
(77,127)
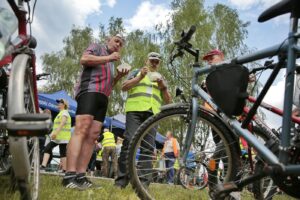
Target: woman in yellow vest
(60,135)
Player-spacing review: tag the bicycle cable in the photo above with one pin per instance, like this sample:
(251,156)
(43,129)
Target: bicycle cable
(30,16)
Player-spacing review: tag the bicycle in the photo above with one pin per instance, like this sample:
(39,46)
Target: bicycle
(282,167)
(194,174)
(23,124)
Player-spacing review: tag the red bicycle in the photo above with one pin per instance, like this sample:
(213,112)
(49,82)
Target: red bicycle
(22,122)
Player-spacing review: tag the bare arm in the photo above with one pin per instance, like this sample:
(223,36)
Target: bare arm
(119,76)
(166,95)
(164,89)
(92,61)
(128,84)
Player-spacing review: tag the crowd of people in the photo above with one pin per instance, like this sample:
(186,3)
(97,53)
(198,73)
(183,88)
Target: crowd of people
(81,151)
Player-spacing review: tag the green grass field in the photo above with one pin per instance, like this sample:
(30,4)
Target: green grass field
(51,189)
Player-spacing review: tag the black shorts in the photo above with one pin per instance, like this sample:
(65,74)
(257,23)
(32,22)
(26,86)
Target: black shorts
(92,103)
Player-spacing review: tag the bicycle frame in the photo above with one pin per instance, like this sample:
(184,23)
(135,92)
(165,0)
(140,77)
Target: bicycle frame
(23,39)
(292,49)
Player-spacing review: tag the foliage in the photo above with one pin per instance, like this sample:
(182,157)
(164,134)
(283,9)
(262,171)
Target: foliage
(217,27)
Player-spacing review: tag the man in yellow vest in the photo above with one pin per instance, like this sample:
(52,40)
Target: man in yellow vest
(146,93)
(108,141)
(170,152)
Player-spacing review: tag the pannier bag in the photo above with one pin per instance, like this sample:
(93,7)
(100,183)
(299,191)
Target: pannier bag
(228,88)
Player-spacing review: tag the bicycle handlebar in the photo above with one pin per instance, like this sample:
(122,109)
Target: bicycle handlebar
(183,44)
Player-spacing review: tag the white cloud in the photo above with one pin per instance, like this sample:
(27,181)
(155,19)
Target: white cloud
(111,3)
(248,4)
(54,19)
(147,16)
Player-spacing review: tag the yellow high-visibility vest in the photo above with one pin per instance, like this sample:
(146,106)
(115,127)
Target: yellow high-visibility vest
(144,96)
(65,133)
(109,140)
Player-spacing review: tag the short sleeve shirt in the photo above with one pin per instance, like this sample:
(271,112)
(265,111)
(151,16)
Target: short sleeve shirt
(96,78)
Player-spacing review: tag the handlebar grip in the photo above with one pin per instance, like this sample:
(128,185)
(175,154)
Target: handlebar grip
(187,36)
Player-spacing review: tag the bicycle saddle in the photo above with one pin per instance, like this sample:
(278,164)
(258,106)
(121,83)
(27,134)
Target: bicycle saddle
(282,7)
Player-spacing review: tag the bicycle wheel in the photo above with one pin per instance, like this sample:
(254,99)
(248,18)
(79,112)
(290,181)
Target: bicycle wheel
(212,138)
(24,151)
(263,189)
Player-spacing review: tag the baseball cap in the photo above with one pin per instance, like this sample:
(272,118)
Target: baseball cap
(120,36)
(62,101)
(154,56)
(212,52)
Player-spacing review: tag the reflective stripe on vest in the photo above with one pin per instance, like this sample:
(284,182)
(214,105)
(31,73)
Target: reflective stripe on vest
(109,140)
(144,96)
(65,133)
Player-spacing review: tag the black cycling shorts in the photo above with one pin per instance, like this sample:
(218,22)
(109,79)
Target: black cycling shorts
(92,103)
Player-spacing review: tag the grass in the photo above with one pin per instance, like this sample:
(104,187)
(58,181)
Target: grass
(51,189)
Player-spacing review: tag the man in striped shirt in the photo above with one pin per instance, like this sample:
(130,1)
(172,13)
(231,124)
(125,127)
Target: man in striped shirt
(94,87)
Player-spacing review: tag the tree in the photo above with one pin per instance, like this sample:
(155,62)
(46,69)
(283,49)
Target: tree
(64,65)
(217,27)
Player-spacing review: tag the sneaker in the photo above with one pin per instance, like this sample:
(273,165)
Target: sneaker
(85,182)
(72,183)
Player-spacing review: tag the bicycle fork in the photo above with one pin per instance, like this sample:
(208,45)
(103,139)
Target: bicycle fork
(191,129)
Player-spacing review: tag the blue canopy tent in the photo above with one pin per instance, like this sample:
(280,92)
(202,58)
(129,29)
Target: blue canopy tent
(48,101)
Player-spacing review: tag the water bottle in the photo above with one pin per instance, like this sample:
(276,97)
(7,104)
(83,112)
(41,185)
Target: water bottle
(8,25)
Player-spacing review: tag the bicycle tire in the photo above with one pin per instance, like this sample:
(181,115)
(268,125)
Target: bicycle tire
(231,146)
(24,151)
(263,189)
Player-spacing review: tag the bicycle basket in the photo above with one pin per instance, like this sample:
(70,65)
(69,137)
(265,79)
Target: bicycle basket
(228,88)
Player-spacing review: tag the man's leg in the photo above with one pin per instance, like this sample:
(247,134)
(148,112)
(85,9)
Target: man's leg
(82,127)
(88,147)
(133,121)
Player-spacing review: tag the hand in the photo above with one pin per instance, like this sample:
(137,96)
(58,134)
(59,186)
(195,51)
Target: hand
(161,84)
(122,73)
(114,56)
(144,71)
(53,135)
(252,78)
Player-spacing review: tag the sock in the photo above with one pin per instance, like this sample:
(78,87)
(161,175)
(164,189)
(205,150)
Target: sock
(80,175)
(69,175)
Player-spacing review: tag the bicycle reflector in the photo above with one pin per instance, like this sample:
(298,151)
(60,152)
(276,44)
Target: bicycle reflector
(212,164)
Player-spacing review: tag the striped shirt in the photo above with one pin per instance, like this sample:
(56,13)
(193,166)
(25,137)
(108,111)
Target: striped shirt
(96,78)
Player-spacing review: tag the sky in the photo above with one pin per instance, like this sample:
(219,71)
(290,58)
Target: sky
(54,19)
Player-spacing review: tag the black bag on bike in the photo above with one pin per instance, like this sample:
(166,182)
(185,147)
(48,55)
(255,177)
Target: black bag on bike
(228,88)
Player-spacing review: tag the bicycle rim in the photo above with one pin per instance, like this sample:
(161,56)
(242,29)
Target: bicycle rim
(142,164)
(25,151)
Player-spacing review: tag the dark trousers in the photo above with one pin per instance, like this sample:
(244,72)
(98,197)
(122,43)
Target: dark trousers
(170,160)
(133,121)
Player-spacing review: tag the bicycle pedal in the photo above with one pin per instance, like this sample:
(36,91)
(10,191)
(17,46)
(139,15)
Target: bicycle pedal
(29,125)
